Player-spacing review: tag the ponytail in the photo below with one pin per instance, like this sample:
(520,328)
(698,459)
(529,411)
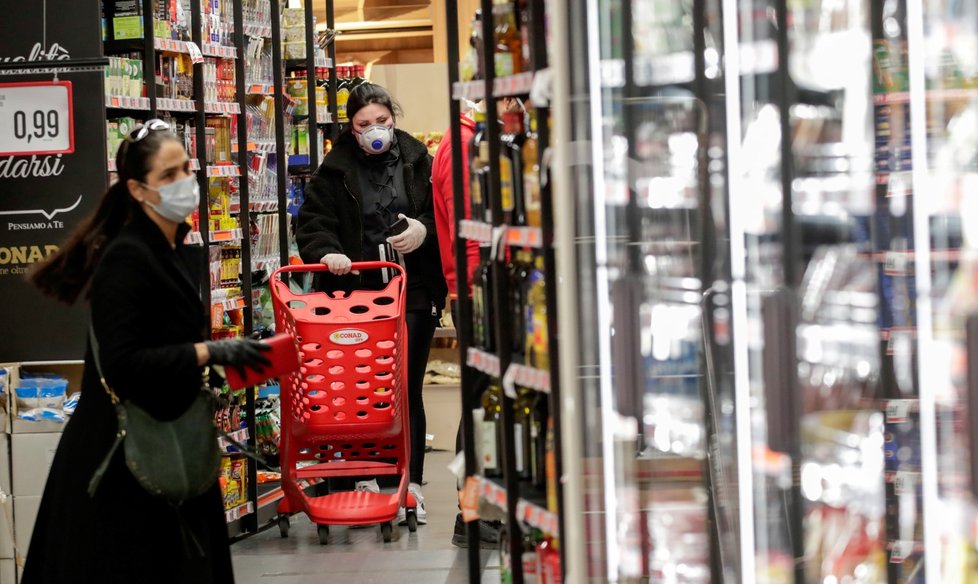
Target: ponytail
(65,274)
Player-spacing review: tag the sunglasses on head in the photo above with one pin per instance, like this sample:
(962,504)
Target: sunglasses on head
(150,126)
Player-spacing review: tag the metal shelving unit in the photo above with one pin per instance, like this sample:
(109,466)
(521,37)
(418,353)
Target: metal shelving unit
(521,504)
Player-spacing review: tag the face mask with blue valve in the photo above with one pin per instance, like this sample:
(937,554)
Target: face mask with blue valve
(376,139)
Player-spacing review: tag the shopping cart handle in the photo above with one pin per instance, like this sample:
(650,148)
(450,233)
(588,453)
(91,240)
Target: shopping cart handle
(357,266)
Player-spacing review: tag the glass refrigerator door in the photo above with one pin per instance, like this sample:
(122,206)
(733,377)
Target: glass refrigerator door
(943,96)
(640,256)
(833,192)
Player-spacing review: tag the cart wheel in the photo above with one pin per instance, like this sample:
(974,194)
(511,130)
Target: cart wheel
(283,525)
(412,520)
(323,531)
(387,531)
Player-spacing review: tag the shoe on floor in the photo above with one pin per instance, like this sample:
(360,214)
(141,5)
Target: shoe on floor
(370,486)
(415,490)
(488,534)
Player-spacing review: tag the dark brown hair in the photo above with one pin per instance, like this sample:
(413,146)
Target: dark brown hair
(65,274)
(370,93)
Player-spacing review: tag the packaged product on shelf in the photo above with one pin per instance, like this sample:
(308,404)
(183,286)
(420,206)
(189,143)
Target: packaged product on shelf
(508,49)
(489,430)
(125,18)
(537,349)
(531,176)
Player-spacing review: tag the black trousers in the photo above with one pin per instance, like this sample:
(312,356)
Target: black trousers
(420,330)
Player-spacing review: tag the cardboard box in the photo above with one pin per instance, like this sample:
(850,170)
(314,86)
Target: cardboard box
(32,455)
(5,484)
(8,571)
(70,371)
(443,410)
(25,515)
(6,543)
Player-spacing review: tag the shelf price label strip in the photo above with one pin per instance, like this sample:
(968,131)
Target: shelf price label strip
(525,376)
(238,436)
(223,171)
(485,362)
(222,107)
(239,511)
(127,102)
(475,230)
(176,105)
(537,517)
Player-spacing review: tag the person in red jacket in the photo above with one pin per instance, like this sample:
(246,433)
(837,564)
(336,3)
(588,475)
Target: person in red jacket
(443,193)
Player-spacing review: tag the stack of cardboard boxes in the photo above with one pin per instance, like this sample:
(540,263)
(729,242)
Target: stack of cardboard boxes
(26,452)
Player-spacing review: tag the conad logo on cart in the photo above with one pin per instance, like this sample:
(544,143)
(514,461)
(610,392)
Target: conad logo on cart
(349,337)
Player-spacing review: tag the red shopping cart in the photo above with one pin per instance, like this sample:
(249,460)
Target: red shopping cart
(344,412)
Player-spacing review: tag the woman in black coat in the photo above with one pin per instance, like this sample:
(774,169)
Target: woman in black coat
(149,321)
(375,176)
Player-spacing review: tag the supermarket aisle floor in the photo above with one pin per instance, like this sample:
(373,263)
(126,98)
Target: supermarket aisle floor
(427,556)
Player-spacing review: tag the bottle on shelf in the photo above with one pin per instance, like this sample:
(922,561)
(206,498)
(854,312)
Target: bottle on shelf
(492,407)
(551,463)
(537,349)
(508,50)
(529,559)
(482,313)
(511,169)
(519,277)
(524,407)
(525,24)
(531,176)
(539,419)
(479,171)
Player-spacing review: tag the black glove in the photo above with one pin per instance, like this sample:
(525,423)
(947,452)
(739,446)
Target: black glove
(238,353)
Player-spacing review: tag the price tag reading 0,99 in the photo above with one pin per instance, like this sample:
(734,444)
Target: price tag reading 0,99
(36,118)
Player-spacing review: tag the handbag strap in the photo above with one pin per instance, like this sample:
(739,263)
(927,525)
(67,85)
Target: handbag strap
(98,365)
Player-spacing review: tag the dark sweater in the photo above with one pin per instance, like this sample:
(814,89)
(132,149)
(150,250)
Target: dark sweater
(331,218)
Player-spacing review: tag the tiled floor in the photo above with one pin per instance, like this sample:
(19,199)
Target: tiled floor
(359,556)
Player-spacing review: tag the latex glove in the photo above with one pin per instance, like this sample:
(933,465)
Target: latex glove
(411,238)
(338,263)
(238,353)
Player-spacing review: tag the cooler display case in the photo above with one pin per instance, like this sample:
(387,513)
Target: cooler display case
(777,363)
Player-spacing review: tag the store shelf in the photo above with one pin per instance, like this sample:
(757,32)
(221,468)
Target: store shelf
(240,511)
(220,51)
(536,516)
(513,85)
(475,231)
(471,90)
(126,102)
(483,361)
(230,304)
(241,436)
(901,550)
(299,64)
(261,146)
(898,410)
(263,206)
(258,30)
(222,236)
(445,333)
(932,95)
(167,104)
(524,237)
(224,170)
(525,376)
(194,164)
(222,107)
(261,89)
(171,46)
(492,492)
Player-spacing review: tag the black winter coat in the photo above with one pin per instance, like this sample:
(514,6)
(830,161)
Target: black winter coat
(147,314)
(331,218)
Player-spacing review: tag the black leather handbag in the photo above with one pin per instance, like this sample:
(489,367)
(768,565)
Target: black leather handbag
(175,460)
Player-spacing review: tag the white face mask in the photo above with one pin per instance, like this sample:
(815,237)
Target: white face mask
(376,139)
(178,200)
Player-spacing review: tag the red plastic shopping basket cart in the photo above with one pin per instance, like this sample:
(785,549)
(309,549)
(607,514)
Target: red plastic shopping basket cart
(344,412)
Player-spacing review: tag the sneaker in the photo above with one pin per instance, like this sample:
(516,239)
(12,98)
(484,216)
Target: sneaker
(370,486)
(415,490)
(488,534)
